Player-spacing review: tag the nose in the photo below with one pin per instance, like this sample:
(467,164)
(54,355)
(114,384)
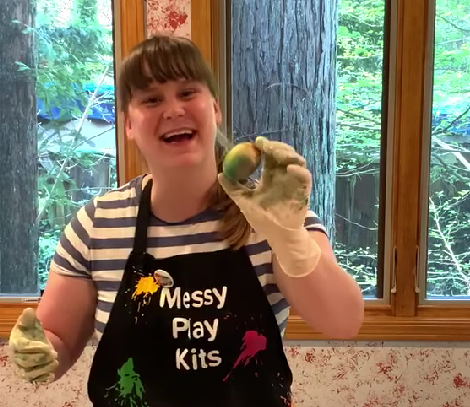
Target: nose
(173,108)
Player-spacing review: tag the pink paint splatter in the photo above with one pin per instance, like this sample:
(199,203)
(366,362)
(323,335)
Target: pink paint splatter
(3,360)
(253,343)
(309,357)
(460,381)
(172,16)
(294,351)
(175,18)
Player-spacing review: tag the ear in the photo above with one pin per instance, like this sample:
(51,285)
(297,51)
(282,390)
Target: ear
(127,126)
(218,112)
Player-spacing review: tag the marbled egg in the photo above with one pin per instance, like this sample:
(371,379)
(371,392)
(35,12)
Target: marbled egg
(241,161)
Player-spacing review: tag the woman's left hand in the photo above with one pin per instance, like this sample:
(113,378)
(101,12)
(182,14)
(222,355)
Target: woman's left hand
(276,208)
(282,194)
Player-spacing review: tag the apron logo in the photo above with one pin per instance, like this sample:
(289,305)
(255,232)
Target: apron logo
(163,278)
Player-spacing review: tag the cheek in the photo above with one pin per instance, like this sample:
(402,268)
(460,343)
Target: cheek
(209,127)
(207,118)
(146,118)
(147,122)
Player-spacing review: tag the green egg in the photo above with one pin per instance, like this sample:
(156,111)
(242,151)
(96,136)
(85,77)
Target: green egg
(241,161)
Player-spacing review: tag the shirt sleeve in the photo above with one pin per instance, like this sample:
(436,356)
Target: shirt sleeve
(73,253)
(313,223)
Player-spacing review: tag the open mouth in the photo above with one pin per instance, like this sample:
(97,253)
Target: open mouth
(178,137)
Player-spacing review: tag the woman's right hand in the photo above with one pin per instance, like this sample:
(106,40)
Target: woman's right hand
(32,353)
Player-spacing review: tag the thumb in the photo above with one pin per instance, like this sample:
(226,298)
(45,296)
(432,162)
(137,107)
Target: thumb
(28,319)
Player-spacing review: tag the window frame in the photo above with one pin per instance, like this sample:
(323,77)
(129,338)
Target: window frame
(411,59)
(129,30)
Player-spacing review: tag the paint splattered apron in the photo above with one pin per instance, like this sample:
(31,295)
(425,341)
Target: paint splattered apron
(193,330)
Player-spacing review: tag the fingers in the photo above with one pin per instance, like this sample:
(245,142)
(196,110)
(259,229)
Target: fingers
(36,366)
(25,345)
(282,153)
(304,177)
(44,379)
(30,360)
(39,374)
(300,173)
(32,353)
(267,146)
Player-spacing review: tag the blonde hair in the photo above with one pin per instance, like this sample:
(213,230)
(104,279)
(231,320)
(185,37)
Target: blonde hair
(164,58)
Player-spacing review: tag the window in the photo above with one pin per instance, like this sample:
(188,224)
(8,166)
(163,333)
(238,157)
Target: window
(445,271)
(59,134)
(324,98)
(397,169)
(63,150)
(385,138)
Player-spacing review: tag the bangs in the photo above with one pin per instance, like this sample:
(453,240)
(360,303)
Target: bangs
(163,58)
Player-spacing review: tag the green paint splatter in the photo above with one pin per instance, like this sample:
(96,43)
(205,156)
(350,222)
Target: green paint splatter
(129,388)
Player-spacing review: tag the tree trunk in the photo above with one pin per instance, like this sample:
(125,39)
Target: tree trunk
(284,84)
(18,150)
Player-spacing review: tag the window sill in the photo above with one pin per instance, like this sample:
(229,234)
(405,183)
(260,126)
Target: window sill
(9,313)
(432,324)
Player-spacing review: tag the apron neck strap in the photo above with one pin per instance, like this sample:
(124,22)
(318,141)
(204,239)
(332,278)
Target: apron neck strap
(143,219)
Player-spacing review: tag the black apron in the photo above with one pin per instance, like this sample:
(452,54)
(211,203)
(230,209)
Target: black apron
(193,330)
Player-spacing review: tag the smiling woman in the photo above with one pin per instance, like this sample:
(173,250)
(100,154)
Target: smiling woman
(257,249)
(147,83)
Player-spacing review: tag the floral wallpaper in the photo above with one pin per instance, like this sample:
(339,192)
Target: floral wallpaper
(327,374)
(169,16)
(342,374)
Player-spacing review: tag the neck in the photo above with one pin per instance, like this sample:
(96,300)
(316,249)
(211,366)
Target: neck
(180,194)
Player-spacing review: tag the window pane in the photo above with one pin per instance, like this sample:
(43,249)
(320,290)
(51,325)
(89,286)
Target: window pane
(57,129)
(448,263)
(311,75)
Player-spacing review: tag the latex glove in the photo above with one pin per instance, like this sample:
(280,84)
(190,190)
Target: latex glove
(277,207)
(33,355)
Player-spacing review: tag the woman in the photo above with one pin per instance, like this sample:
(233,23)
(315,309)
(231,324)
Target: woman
(184,276)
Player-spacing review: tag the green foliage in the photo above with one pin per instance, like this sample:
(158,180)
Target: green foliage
(359,90)
(360,56)
(72,52)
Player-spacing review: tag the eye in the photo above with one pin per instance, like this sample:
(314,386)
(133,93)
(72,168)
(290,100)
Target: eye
(188,93)
(151,100)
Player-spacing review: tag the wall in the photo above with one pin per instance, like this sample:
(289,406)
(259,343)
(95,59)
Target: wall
(326,375)
(345,374)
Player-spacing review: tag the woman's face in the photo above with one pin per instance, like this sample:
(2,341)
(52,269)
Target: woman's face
(174,124)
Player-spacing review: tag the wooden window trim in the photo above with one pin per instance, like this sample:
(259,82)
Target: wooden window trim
(131,28)
(402,319)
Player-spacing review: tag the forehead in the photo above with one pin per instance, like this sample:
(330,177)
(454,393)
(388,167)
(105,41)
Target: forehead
(167,86)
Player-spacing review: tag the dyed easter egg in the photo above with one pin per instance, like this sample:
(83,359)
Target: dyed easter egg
(241,161)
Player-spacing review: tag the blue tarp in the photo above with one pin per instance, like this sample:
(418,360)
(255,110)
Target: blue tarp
(445,115)
(103,110)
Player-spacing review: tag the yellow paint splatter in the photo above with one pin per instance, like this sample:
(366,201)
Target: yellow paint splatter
(145,287)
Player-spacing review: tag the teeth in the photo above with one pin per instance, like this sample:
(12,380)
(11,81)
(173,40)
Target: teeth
(177,132)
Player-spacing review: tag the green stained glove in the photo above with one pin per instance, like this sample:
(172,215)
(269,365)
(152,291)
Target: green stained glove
(277,207)
(32,353)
